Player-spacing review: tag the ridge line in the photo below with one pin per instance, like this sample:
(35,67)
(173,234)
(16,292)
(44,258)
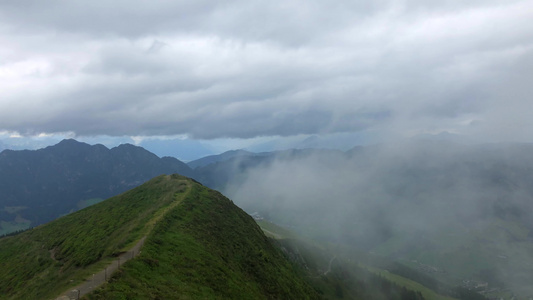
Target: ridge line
(100,278)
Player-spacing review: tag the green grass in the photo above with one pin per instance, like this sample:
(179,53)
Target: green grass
(407,283)
(199,245)
(493,246)
(45,261)
(347,279)
(207,248)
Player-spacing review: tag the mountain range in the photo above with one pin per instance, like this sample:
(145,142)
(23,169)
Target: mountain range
(37,186)
(172,238)
(195,244)
(460,214)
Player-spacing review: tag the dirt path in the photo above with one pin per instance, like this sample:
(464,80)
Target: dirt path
(101,277)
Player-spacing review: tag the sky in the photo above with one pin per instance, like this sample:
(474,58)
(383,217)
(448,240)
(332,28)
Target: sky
(234,74)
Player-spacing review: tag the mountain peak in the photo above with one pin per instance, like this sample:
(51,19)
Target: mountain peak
(70,143)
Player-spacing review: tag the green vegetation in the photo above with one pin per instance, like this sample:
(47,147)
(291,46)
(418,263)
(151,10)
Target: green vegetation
(340,271)
(409,284)
(198,245)
(43,262)
(336,276)
(207,248)
(43,185)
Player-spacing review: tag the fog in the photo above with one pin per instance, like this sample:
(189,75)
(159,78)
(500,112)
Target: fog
(464,209)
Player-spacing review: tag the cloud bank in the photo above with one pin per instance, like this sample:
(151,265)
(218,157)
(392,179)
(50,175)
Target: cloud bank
(242,69)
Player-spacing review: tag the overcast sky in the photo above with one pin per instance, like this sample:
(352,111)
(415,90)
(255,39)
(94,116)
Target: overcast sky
(247,69)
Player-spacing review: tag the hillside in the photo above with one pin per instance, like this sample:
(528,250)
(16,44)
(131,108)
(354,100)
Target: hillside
(198,244)
(459,213)
(39,186)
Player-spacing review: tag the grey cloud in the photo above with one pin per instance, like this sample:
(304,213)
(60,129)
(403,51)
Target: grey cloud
(245,69)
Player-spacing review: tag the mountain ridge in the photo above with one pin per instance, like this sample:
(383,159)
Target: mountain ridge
(198,244)
(40,185)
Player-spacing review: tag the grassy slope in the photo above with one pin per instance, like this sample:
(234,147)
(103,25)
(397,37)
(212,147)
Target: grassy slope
(500,247)
(207,248)
(409,284)
(199,245)
(346,279)
(43,262)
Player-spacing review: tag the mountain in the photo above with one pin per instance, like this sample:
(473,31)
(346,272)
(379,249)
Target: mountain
(184,149)
(207,160)
(460,213)
(37,186)
(188,242)
(231,170)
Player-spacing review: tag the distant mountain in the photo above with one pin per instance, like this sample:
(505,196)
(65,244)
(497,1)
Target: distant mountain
(184,149)
(189,242)
(37,186)
(458,212)
(231,167)
(207,160)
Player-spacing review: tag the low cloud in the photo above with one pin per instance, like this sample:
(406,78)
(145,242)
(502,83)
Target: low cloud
(458,208)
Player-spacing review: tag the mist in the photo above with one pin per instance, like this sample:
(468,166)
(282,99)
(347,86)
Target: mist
(464,210)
